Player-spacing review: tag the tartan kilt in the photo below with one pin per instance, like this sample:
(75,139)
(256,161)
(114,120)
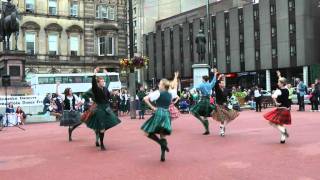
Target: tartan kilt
(159,122)
(203,108)
(70,118)
(223,114)
(279,116)
(174,112)
(102,118)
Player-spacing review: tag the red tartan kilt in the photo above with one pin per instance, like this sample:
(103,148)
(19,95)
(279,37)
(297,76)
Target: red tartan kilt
(279,116)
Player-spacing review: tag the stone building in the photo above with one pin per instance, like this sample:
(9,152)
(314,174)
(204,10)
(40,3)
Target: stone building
(71,36)
(249,42)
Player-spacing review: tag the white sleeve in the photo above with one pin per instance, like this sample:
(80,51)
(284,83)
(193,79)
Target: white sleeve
(276,93)
(77,99)
(154,95)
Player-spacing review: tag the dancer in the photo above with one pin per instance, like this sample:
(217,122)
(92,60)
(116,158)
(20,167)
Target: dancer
(160,121)
(173,90)
(281,115)
(71,105)
(102,118)
(224,114)
(203,109)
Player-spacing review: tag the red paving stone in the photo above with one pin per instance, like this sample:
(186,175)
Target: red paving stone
(250,151)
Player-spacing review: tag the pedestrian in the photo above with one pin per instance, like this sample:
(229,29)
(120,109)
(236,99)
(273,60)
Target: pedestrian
(71,106)
(115,102)
(317,93)
(174,112)
(281,115)
(203,109)
(160,121)
(314,99)
(258,98)
(224,114)
(102,118)
(291,90)
(301,92)
(142,108)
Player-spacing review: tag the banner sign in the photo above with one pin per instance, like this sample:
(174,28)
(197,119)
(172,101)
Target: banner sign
(22,100)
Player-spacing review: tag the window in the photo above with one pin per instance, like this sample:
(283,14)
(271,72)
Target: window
(291,5)
(74,8)
(274,52)
(240,19)
(134,10)
(30,42)
(52,7)
(105,12)
(135,37)
(227,22)
(14,70)
(255,14)
(272,9)
(30,6)
(273,31)
(292,28)
(257,55)
(53,44)
(228,59)
(134,23)
(241,38)
(241,57)
(292,50)
(106,46)
(74,45)
(256,35)
(227,41)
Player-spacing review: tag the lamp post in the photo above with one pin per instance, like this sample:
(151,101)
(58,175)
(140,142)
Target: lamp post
(132,82)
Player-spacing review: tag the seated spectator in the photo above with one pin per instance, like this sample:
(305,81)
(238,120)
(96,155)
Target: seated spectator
(9,109)
(21,115)
(56,107)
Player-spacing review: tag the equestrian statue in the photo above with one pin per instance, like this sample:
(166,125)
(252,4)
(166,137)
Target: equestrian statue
(9,23)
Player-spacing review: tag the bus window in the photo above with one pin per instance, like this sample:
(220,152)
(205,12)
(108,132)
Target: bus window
(65,80)
(114,78)
(51,80)
(58,79)
(88,79)
(75,79)
(43,80)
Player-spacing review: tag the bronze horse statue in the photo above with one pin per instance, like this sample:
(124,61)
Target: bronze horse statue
(9,24)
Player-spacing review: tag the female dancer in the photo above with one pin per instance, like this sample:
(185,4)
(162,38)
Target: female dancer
(71,102)
(224,115)
(160,121)
(102,118)
(174,112)
(204,108)
(281,115)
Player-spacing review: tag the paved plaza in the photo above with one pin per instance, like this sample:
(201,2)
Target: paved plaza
(249,151)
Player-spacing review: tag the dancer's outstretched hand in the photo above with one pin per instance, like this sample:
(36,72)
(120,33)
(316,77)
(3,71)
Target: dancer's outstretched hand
(96,70)
(105,71)
(278,73)
(176,74)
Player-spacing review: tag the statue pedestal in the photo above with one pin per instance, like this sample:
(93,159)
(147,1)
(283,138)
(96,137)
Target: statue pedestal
(13,63)
(199,70)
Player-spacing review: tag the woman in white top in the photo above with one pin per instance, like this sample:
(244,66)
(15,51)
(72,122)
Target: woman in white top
(71,102)
(174,112)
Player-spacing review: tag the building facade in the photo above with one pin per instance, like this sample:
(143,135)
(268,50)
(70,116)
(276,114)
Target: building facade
(71,36)
(249,42)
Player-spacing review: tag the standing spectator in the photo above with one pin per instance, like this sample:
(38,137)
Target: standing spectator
(313,99)
(115,102)
(301,92)
(317,92)
(258,98)
(46,103)
(143,106)
(290,88)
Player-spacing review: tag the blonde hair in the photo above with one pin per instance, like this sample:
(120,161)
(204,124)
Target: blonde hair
(283,81)
(166,84)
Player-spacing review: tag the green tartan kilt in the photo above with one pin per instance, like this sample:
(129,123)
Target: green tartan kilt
(203,108)
(159,122)
(102,118)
